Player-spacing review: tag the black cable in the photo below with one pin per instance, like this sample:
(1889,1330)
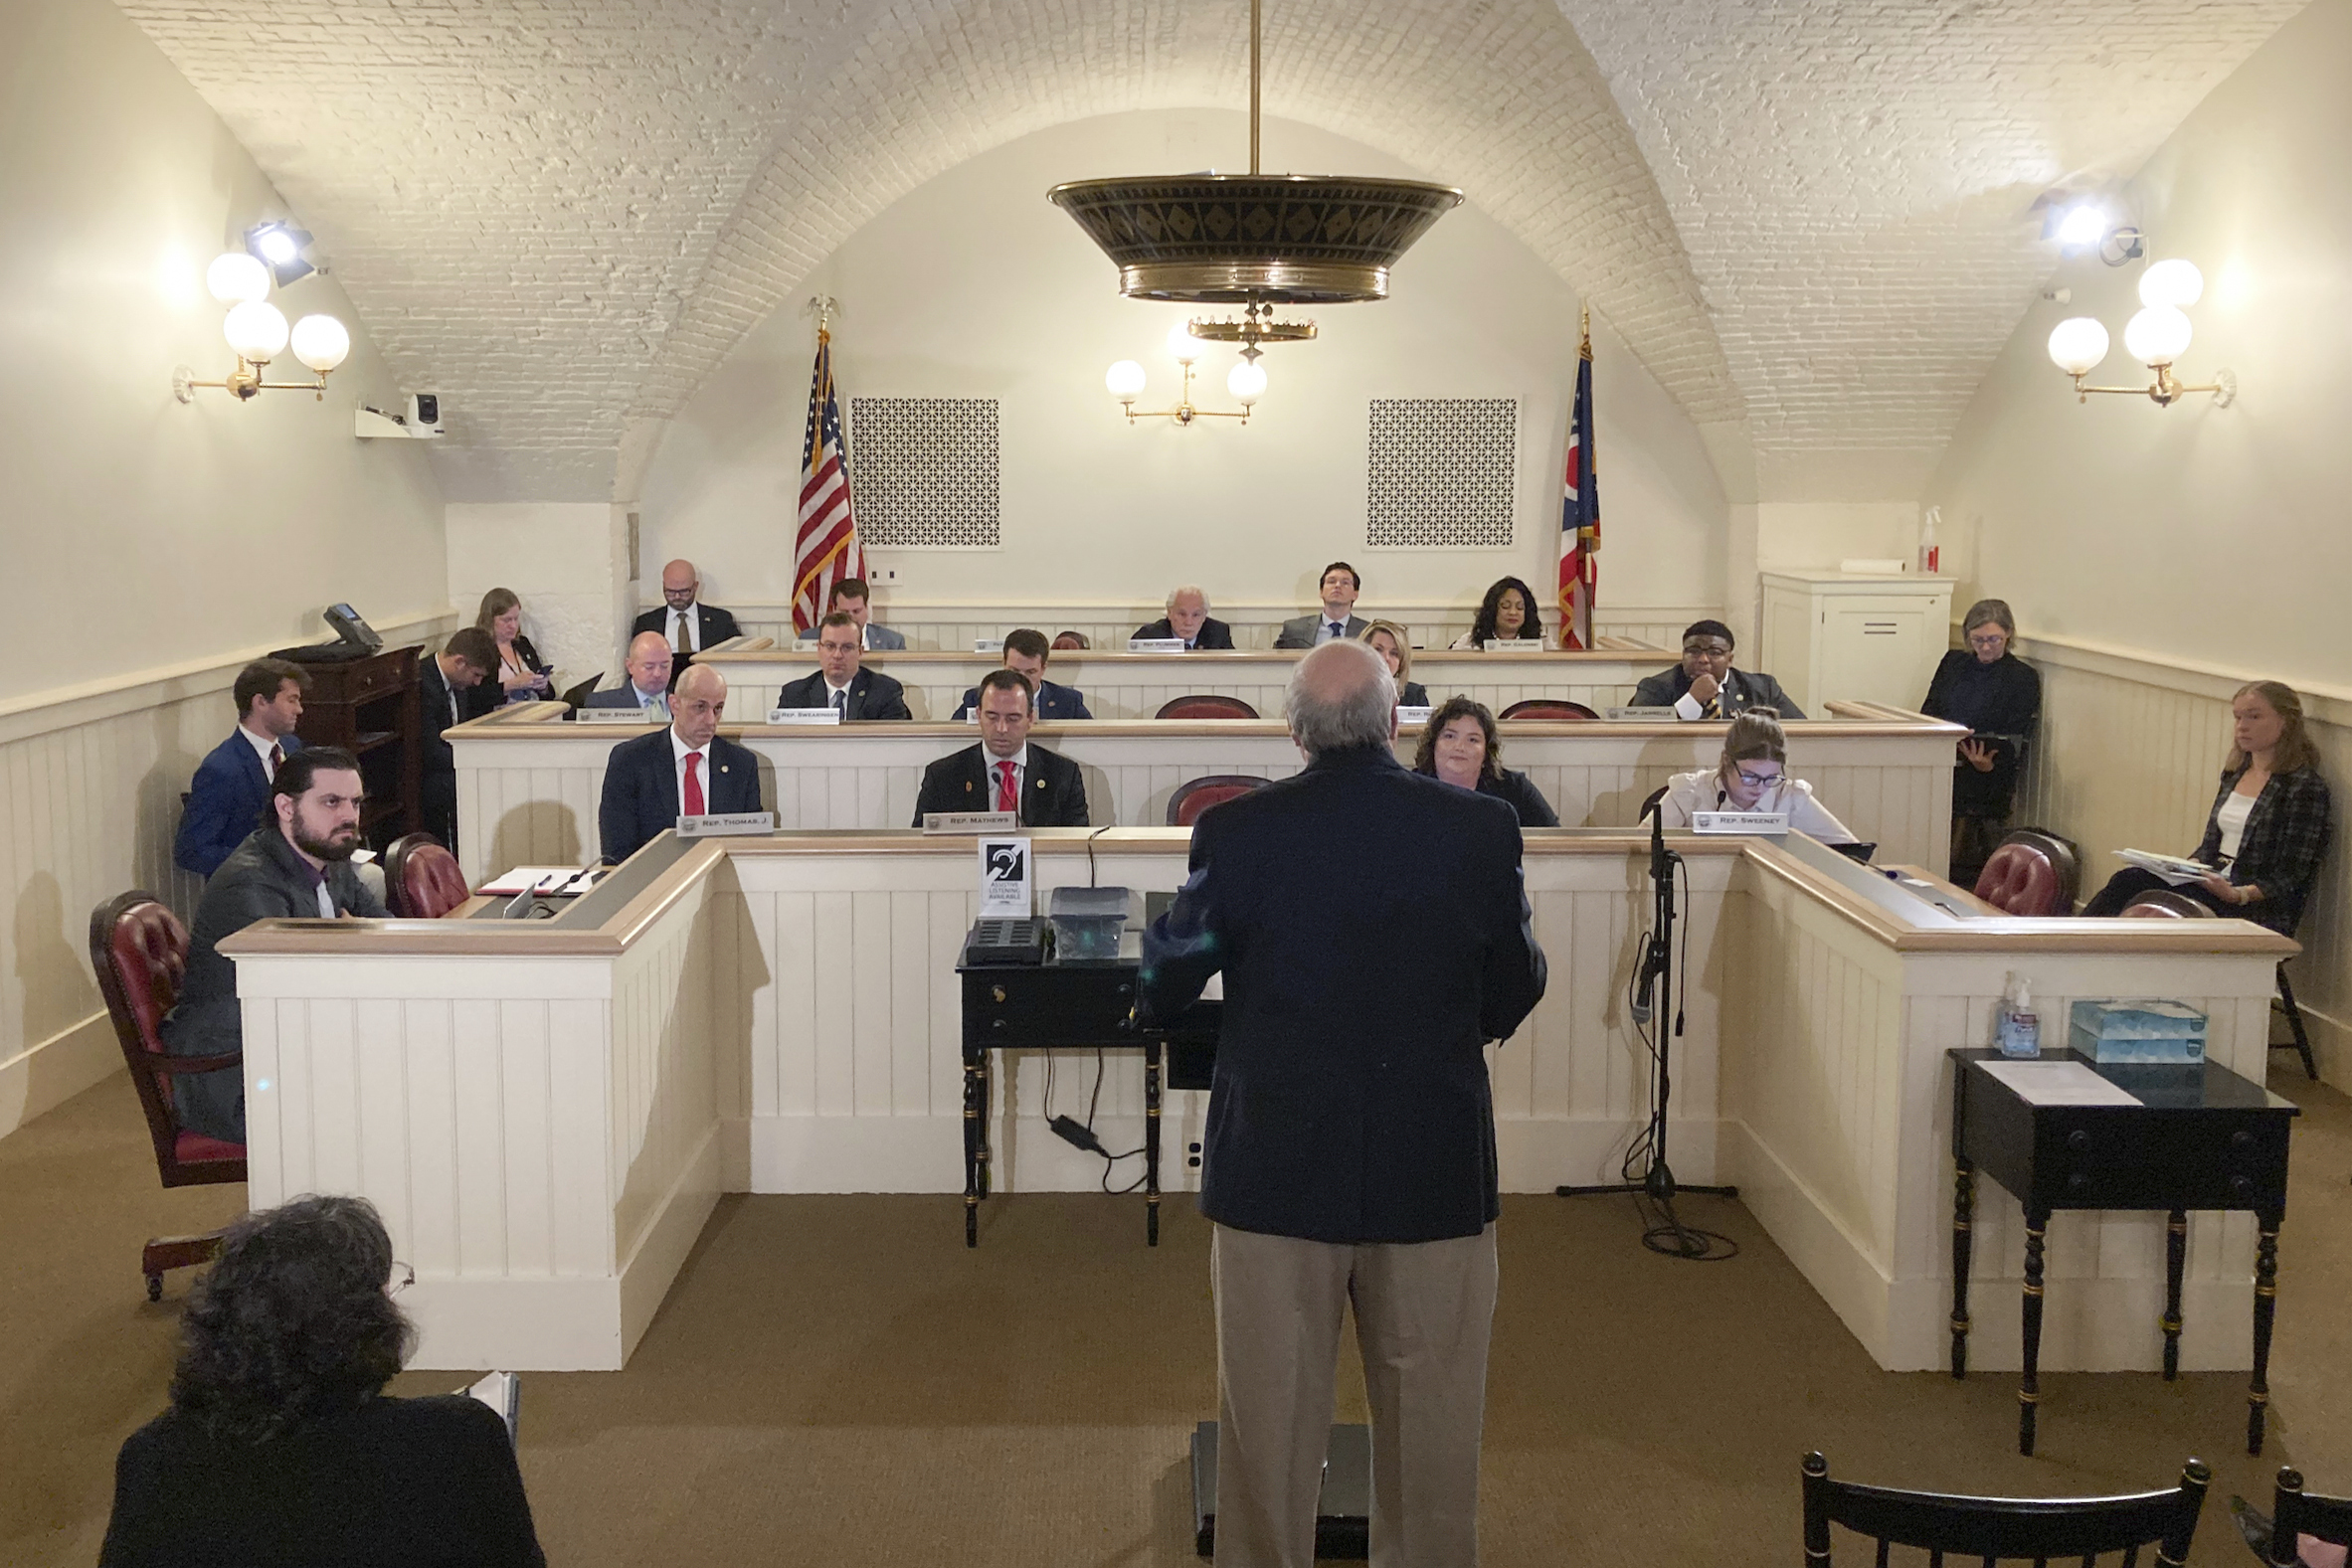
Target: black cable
(1090,838)
(1110,1160)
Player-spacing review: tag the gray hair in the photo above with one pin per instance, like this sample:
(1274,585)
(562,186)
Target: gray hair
(1340,696)
(1181,590)
(1989,611)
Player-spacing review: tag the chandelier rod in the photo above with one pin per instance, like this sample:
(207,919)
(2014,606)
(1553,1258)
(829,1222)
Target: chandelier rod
(1253,86)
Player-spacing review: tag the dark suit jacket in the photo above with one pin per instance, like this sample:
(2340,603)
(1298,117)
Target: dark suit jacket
(397,1480)
(1412,694)
(1054,702)
(640,800)
(2279,848)
(1300,632)
(1743,690)
(263,880)
(1053,792)
(432,716)
(717,625)
(488,694)
(225,804)
(624,695)
(1215,634)
(1351,1103)
(872,695)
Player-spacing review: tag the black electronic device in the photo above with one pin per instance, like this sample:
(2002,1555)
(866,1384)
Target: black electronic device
(1860,852)
(1006,943)
(352,628)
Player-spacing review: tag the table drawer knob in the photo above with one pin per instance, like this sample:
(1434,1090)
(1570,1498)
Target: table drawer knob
(2078,1140)
(998,1023)
(2242,1185)
(2242,1138)
(2077,1181)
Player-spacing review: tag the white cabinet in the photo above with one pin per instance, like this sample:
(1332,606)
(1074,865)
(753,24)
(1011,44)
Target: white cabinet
(1830,637)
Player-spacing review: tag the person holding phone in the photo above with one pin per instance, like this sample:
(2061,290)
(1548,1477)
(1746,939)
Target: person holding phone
(522,675)
(1999,697)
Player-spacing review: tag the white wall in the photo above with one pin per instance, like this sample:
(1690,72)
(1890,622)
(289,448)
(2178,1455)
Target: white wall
(143,532)
(151,546)
(975,285)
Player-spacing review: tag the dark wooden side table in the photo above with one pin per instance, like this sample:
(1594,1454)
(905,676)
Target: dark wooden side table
(368,706)
(2200,1138)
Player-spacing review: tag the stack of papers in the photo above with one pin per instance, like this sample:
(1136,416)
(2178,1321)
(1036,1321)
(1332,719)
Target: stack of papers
(2176,871)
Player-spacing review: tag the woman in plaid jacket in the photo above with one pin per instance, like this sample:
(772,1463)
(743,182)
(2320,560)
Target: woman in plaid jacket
(2268,826)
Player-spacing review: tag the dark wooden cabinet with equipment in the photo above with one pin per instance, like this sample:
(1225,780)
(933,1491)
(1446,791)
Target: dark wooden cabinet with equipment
(368,706)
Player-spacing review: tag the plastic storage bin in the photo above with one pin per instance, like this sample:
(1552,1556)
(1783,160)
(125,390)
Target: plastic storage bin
(1087,923)
(2137,1031)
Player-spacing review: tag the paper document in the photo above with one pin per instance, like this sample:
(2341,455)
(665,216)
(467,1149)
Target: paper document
(2175,870)
(2060,1083)
(502,1392)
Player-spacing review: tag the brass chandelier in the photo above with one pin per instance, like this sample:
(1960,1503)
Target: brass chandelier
(1258,241)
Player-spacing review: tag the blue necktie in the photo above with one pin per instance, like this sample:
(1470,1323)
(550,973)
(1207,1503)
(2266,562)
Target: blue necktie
(1337,631)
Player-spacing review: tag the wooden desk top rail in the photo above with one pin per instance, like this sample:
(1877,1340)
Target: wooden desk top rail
(527,939)
(765,651)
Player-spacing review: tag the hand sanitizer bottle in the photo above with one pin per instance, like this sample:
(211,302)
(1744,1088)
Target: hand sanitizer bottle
(2016,1027)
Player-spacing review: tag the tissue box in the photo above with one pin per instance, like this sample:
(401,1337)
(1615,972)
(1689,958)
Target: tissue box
(1087,923)
(2137,1031)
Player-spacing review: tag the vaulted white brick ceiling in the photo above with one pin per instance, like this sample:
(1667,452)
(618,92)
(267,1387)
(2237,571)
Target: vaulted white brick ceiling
(1806,217)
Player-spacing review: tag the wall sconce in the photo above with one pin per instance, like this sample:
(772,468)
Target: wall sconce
(257,332)
(2156,336)
(1246,381)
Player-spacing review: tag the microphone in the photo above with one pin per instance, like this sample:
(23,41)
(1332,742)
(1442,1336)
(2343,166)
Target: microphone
(1654,953)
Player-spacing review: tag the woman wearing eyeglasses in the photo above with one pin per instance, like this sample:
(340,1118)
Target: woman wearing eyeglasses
(1752,777)
(280,1449)
(1999,697)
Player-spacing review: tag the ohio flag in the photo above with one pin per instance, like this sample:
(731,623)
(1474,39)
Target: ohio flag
(1580,516)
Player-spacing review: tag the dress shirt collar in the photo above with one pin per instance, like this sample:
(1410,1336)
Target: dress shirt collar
(1020,759)
(260,745)
(679,749)
(830,688)
(643,697)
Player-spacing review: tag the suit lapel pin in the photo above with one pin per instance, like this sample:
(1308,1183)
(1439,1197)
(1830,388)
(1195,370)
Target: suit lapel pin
(967,787)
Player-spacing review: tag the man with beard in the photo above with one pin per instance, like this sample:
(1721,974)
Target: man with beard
(295,866)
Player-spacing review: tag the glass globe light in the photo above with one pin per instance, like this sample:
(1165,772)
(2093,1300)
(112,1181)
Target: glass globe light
(237,279)
(2157,336)
(255,330)
(1247,382)
(1124,378)
(1183,346)
(2078,344)
(320,342)
(2175,283)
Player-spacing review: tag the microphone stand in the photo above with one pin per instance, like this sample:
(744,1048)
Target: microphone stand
(1655,984)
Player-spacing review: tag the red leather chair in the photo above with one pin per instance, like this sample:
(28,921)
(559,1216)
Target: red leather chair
(139,952)
(1553,708)
(2065,858)
(1195,796)
(2020,880)
(1206,704)
(1069,640)
(2165,904)
(421,878)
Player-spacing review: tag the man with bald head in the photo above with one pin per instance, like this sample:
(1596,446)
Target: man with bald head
(1350,1151)
(687,769)
(686,626)
(647,689)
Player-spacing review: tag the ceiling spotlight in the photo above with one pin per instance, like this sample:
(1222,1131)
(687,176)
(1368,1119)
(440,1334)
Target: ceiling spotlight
(2082,225)
(280,245)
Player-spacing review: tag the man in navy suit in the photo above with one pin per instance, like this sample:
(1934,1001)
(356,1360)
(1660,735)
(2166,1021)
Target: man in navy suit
(687,769)
(838,682)
(1188,617)
(1005,773)
(1026,651)
(852,594)
(687,626)
(232,783)
(1350,1139)
(647,686)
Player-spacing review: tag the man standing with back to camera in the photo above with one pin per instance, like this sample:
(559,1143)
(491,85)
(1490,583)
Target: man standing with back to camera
(1350,1143)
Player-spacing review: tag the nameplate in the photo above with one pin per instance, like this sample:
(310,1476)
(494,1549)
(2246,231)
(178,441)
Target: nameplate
(1154,644)
(1514,645)
(1407,715)
(615,716)
(972,716)
(971,823)
(804,716)
(1644,715)
(1773,823)
(988,645)
(727,824)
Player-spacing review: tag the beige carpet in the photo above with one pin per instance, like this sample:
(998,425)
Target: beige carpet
(836,1380)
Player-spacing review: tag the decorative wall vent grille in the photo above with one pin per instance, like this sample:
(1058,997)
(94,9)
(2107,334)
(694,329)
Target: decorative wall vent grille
(925,470)
(1441,470)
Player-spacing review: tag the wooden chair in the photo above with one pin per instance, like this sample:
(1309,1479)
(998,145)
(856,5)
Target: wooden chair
(1553,708)
(421,878)
(1206,704)
(2020,880)
(1195,796)
(1990,1529)
(139,951)
(2296,1513)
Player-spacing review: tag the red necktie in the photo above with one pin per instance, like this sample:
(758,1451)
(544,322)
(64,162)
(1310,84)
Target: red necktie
(694,806)
(1007,797)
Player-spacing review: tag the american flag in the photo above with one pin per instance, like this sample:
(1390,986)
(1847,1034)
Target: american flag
(827,549)
(1579,513)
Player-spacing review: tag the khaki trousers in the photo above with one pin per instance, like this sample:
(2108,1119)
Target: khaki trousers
(1425,1312)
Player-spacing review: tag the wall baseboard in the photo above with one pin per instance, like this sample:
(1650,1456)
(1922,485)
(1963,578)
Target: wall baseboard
(46,1074)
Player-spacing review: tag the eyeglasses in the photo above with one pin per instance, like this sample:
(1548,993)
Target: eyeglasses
(1714,650)
(1757,781)
(408,1277)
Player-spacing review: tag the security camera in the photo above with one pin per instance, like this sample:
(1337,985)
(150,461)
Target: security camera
(424,412)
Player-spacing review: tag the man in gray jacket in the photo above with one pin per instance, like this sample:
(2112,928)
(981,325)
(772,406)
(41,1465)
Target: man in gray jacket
(295,866)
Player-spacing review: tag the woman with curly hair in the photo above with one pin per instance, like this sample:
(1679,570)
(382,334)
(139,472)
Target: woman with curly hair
(1506,615)
(281,1449)
(1460,745)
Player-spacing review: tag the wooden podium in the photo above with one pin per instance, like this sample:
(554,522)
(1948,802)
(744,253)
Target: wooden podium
(367,707)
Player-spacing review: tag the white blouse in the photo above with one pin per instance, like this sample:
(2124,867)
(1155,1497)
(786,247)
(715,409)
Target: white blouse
(1703,791)
(2231,819)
